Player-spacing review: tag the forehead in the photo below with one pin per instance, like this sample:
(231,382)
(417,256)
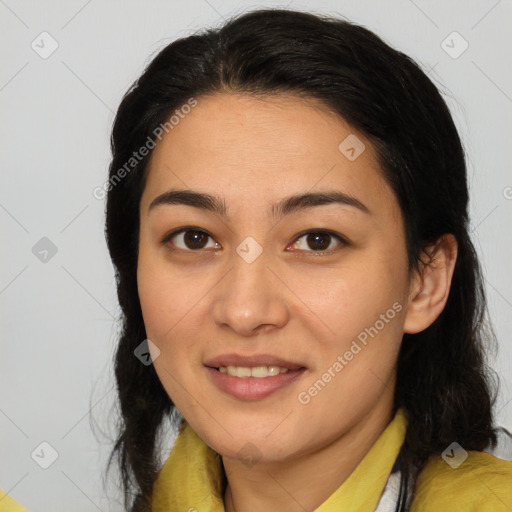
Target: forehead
(251,147)
(234,125)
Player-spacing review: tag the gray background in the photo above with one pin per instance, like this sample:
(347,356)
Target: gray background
(58,310)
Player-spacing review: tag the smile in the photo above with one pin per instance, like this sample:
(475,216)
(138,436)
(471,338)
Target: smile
(254,383)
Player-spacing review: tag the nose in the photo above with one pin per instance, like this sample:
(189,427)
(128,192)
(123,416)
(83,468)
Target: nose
(251,298)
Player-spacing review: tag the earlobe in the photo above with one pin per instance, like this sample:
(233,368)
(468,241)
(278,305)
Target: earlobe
(430,285)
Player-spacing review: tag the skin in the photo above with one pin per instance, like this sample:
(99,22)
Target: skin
(291,301)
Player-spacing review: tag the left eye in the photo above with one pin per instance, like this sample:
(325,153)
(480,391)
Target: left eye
(318,241)
(195,240)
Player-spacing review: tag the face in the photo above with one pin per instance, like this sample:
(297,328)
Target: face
(318,287)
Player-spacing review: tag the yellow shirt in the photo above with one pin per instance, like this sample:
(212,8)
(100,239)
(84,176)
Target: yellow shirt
(192,479)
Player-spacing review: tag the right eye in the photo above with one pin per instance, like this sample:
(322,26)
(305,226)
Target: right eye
(189,239)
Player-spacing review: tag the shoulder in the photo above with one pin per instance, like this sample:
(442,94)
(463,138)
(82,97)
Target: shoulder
(480,483)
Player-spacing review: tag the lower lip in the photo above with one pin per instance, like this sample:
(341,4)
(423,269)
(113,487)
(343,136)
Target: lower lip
(253,388)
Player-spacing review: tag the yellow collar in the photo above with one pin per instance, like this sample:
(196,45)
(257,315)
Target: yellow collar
(192,478)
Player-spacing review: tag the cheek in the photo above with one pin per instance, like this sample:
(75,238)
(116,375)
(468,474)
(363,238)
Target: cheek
(155,301)
(173,306)
(165,295)
(165,302)
(344,300)
(356,361)
(361,307)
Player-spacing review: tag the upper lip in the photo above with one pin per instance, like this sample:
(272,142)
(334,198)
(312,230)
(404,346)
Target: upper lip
(251,361)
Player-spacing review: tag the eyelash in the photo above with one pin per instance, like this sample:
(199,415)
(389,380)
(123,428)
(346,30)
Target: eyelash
(342,240)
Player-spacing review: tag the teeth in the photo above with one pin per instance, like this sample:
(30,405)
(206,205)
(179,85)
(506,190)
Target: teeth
(257,371)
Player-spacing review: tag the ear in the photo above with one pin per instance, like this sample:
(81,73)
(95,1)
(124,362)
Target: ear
(430,285)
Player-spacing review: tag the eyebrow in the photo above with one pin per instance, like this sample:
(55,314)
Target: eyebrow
(281,208)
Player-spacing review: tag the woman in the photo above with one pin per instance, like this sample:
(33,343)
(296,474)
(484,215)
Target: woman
(287,214)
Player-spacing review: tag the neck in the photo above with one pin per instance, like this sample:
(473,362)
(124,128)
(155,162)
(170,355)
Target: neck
(302,483)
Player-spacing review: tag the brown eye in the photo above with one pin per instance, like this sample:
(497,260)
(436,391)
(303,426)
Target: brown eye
(190,239)
(319,241)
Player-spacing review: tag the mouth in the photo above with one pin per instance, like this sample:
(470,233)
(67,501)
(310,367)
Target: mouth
(253,378)
(260,361)
(254,383)
(258,372)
